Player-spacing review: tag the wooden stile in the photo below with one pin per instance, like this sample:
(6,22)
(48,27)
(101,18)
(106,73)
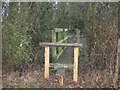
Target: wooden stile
(57,41)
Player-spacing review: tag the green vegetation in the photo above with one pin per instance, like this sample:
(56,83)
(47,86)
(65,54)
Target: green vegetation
(69,69)
(25,25)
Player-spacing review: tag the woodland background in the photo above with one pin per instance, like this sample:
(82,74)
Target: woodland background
(25,25)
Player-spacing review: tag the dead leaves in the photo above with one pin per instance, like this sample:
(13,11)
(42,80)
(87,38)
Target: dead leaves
(96,79)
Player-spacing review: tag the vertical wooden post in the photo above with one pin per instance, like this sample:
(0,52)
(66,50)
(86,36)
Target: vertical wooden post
(75,68)
(54,41)
(59,38)
(65,35)
(78,35)
(46,62)
(60,80)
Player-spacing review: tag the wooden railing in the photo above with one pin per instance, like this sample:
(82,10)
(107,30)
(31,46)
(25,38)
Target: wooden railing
(76,53)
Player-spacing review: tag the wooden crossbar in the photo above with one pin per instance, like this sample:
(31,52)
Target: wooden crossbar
(60,30)
(61,65)
(60,44)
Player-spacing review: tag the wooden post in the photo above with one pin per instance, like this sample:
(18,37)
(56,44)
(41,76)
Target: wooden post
(53,41)
(46,62)
(60,80)
(59,38)
(65,35)
(78,35)
(75,67)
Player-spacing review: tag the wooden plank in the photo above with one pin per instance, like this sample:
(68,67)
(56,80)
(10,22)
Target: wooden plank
(46,75)
(75,67)
(61,65)
(54,41)
(58,55)
(60,44)
(60,30)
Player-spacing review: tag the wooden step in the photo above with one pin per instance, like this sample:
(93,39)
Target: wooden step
(61,65)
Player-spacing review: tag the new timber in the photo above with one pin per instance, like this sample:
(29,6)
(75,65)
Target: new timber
(76,53)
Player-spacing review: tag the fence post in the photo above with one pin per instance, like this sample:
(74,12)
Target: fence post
(78,35)
(54,41)
(75,67)
(60,79)
(65,35)
(46,62)
(59,38)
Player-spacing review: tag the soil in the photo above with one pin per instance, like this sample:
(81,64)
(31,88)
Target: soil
(35,79)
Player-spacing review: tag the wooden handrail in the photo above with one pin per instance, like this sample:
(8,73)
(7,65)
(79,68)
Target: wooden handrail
(60,44)
(60,29)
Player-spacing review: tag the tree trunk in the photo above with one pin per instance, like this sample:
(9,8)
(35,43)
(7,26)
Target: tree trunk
(117,65)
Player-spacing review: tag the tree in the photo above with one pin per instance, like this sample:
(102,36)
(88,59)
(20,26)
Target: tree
(16,41)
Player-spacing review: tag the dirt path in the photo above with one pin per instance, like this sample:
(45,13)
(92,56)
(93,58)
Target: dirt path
(68,56)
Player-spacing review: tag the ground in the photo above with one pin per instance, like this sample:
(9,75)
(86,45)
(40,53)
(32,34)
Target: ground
(88,77)
(34,79)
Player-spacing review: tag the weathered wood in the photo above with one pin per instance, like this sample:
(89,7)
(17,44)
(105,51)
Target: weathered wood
(54,41)
(75,68)
(78,35)
(65,35)
(61,65)
(63,40)
(46,62)
(60,30)
(60,44)
(59,39)
(58,55)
